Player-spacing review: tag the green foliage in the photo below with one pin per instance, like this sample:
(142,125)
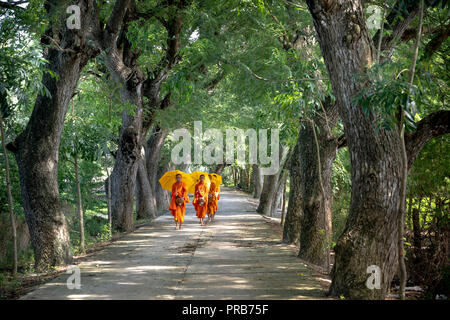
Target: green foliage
(386,95)
(267,92)
(430,173)
(341,186)
(90,134)
(21,61)
(21,68)
(252,64)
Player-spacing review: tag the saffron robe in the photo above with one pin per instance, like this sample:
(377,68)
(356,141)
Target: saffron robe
(178,189)
(212,198)
(201,191)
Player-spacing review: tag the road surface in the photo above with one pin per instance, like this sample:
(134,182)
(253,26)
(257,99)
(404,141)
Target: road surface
(239,256)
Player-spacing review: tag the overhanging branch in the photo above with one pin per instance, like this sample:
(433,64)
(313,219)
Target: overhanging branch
(433,125)
(12,5)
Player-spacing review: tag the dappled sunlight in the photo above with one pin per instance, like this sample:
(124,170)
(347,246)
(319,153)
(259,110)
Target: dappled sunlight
(155,268)
(165,297)
(87,296)
(131,241)
(238,256)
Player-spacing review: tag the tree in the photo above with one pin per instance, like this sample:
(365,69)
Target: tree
(257,181)
(8,190)
(16,57)
(375,154)
(36,148)
(136,124)
(83,139)
(272,185)
(153,151)
(308,219)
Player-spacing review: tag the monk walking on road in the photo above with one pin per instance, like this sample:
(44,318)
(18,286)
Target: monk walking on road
(201,199)
(179,199)
(212,200)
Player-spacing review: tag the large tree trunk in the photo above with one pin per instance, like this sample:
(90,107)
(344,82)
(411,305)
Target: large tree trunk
(243,179)
(123,177)
(36,148)
(147,182)
(291,228)
(257,181)
(135,127)
(270,186)
(315,224)
(153,151)
(145,199)
(316,218)
(121,62)
(37,158)
(278,193)
(162,196)
(308,212)
(268,194)
(305,185)
(370,235)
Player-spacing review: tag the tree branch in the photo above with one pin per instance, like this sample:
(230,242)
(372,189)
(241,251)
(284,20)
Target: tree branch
(342,142)
(397,21)
(433,125)
(173,26)
(165,103)
(115,20)
(12,5)
(114,23)
(214,82)
(435,43)
(245,67)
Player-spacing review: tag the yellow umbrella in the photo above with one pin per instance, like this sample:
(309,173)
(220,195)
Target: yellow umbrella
(196,178)
(169,178)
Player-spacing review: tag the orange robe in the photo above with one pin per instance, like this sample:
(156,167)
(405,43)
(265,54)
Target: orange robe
(178,189)
(212,198)
(201,191)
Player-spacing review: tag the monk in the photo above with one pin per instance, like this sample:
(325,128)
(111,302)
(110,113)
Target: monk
(178,204)
(201,199)
(218,194)
(212,200)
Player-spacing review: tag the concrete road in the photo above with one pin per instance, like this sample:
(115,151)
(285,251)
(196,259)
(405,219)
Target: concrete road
(239,256)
